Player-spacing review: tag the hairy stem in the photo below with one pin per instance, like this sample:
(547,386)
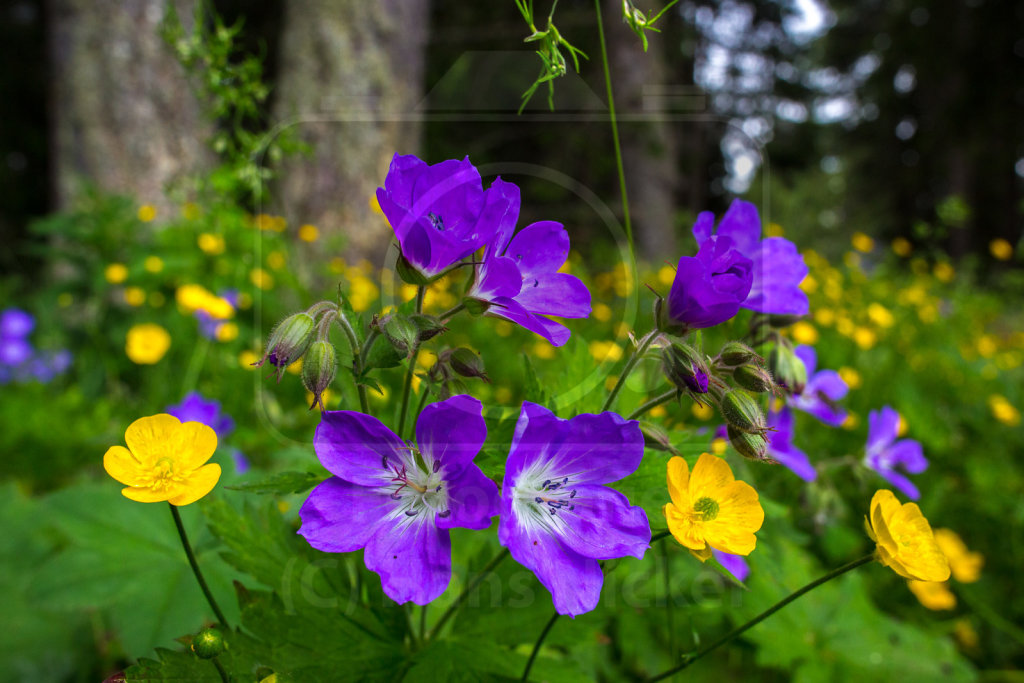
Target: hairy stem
(195,566)
(470,587)
(630,364)
(654,402)
(407,387)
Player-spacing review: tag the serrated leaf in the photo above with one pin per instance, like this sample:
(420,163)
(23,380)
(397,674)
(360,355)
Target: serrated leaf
(281,483)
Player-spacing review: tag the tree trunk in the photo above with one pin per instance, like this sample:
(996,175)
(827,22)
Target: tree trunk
(124,117)
(349,72)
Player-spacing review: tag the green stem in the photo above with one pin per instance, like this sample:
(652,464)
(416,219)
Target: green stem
(669,621)
(407,387)
(656,401)
(195,365)
(536,646)
(470,587)
(423,622)
(357,359)
(220,670)
(630,364)
(615,136)
(195,566)
(449,314)
(764,615)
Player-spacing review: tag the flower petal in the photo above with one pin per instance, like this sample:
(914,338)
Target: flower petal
(154,437)
(199,483)
(909,455)
(413,558)
(144,494)
(778,270)
(883,427)
(734,564)
(354,446)
(710,476)
(592,449)
(808,356)
(539,249)
(196,444)
(679,482)
(573,580)
(742,224)
(509,195)
(558,294)
(603,525)
(507,308)
(472,501)
(120,464)
(339,517)
(498,276)
(451,432)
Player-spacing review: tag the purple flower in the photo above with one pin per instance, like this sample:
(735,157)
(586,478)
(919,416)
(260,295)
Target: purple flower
(557,518)
(885,453)
(195,408)
(441,213)
(519,277)
(16,323)
(781,448)
(14,351)
(45,365)
(709,287)
(398,499)
(821,391)
(778,267)
(734,564)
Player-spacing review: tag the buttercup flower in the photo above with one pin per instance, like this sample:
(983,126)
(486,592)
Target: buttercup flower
(710,509)
(195,408)
(165,460)
(147,343)
(884,453)
(904,540)
(934,595)
(963,563)
(778,267)
(710,287)
(557,517)
(519,276)
(398,500)
(441,213)
(821,391)
(781,448)
(734,564)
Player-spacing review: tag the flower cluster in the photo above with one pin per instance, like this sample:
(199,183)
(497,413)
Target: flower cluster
(19,360)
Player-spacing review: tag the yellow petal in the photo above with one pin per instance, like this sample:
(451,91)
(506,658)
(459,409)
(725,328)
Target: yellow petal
(933,594)
(151,438)
(198,485)
(710,475)
(119,463)
(144,494)
(682,527)
(196,443)
(679,482)
(733,541)
(739,507)
(703,555)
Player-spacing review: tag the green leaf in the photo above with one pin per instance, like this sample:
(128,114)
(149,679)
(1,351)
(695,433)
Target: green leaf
(281,483)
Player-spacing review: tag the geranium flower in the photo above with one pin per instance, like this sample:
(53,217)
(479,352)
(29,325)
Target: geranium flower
(165,460)
(519,277)
(734,564)
(710,287)
(398,500)
(710,509)
(884,453)
(147,343)
(904,539)
(781,448)
(778,267)
(195,408)
(557,517)
(441,213)
(821,391)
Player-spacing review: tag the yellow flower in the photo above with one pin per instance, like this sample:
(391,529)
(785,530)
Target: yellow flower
(710,509)
(933,594)
(901,246)
(809,284)
(147,343)
(153,264)
(862,242)
(116,273)
(718,445)
(850,376)
(880,315)
(309,233)
(774,230)
(134,296)
(965,564)
(210,243)
(904,539)
(276,260)
(1003,410)
(804,333)
(965,634)
(864,337)
(261,278)
(605,350)
(702,411)
(944,272)
(247,359)
(666,275)
(543,349)
(147,212)
(601,312)
(1001,249)
(226,332)
(503,328)
(165,460)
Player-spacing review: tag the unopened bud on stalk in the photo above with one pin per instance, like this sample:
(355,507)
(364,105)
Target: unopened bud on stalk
(318,369)
(288,342)
(208,643)
(742,412)
(664,321)
(737,353)
(753,378)
(427,326)
(685,367)
(467,363)
(787,369)
(750,446)
(401,332)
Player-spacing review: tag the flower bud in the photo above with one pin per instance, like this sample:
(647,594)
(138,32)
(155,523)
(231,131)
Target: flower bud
(318,370)
(750,446)
(685,367)
(467,364)
(208,643)
(427,326)
(780,320)
(742,412)
(402,332)
(288,341)
(664,322)
(737,353)
(753,378)
(787,369)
